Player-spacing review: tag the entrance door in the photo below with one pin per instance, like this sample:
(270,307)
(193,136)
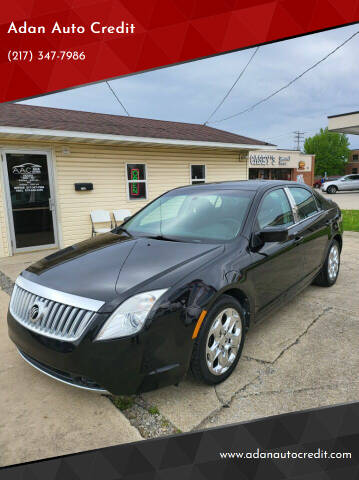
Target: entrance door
(30,204)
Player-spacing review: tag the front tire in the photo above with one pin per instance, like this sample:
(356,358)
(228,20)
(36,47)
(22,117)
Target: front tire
(330,270)
(332,189)
(219,344)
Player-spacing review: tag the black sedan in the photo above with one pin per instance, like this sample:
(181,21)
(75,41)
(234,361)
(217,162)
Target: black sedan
(176,286)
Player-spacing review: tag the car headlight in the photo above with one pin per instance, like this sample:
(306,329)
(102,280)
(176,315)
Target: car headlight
(130,316)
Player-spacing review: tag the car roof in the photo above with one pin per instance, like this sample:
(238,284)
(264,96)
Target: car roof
(252,185)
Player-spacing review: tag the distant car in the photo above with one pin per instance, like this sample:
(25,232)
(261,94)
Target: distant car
(348,182)
(318,182)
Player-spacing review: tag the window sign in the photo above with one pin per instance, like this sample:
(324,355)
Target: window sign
(27,178)
(136,179)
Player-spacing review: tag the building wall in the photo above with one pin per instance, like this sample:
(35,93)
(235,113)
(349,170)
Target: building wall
(105,167)
(353,163)
(307,176)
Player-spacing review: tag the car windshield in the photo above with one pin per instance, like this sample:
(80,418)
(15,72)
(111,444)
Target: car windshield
(203,216)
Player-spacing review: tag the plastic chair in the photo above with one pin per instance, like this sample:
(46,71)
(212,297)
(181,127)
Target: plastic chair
(120,215)
(100,216)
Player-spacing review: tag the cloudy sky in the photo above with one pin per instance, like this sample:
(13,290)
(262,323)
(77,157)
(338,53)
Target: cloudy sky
(191,91)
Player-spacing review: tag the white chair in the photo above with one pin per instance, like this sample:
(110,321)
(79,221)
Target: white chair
(120,215)
(100,216)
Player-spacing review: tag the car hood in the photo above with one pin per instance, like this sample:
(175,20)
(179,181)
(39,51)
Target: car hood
(110,266)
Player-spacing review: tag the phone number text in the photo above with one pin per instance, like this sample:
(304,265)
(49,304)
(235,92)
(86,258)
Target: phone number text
(44,56)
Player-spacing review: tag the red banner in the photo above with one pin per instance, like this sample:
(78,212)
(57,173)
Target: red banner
(47,46)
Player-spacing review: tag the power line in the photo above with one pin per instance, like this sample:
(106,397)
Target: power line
(232,87)
(119,101)
(298,138)
(288,84)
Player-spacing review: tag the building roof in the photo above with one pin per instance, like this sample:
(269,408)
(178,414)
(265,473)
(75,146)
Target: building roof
(342,114)
(30,116)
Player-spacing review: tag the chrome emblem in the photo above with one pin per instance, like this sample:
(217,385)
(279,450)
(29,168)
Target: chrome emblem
(36,312)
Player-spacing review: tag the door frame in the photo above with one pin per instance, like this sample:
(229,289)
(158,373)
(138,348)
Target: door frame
(8,205)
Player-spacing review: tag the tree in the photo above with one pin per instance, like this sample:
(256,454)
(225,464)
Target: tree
(331,151)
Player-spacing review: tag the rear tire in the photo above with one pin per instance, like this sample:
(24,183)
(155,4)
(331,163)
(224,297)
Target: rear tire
(332,189)
(219,344)
(330,269)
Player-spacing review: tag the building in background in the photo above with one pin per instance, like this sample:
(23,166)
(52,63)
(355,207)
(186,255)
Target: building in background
(347,123)
(353,163)
(59,165)
(281,165)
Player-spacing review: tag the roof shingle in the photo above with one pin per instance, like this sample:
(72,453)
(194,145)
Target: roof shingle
(30,116)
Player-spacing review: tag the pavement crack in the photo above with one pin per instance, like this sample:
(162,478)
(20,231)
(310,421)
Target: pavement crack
(300,390)
(262,373)
(296,341)
(262,362)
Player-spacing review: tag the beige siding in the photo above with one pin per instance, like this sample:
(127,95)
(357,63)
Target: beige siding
(105,167)
(4,247)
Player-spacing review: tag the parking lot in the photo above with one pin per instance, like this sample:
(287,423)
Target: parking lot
(305,356)
(345,200)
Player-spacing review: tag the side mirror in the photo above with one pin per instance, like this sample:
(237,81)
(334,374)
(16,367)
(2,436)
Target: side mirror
(274,234)
(268,235)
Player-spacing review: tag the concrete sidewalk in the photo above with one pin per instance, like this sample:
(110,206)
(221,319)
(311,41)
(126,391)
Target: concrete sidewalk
(305,356)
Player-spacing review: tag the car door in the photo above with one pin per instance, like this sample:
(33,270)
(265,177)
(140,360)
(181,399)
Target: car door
(276,267)
(312,227)
(347,183)
(356,182)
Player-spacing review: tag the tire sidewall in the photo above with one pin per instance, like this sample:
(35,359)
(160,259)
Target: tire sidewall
(332,189)
(224,302)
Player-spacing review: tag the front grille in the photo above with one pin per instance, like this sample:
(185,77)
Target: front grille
(55,320)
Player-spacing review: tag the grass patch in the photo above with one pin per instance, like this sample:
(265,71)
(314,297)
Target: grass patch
(351,220)
(123,403)
(153,411)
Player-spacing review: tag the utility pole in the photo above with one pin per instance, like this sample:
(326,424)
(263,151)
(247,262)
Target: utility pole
(298,138)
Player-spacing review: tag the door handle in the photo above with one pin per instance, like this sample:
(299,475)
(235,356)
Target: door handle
(298,238)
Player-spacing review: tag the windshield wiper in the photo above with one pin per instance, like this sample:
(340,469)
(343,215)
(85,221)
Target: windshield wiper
(123,230)
(162,237)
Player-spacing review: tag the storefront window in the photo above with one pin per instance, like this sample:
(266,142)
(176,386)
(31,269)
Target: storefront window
(198,174)
(136,179)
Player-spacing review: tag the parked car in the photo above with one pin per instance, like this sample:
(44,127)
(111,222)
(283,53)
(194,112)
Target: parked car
(318,182)
(348,182)
(176,286)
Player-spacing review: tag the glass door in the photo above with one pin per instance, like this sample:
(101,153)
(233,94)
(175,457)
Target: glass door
(30,200)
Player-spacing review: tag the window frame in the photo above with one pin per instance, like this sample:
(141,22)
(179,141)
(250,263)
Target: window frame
(198,179)
(138,181)
(295,207)
(255,223)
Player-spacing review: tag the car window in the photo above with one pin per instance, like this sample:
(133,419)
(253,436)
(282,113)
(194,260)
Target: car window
(168,209)
(198,215)
(275,210)
(305,202)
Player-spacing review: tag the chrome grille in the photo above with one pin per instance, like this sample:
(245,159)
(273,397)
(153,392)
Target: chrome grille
(58,320)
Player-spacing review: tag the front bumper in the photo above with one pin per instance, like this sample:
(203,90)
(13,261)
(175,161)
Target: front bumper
(123,366)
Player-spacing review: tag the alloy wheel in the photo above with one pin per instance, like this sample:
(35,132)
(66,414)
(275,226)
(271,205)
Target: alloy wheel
(333,262)
(223,341)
